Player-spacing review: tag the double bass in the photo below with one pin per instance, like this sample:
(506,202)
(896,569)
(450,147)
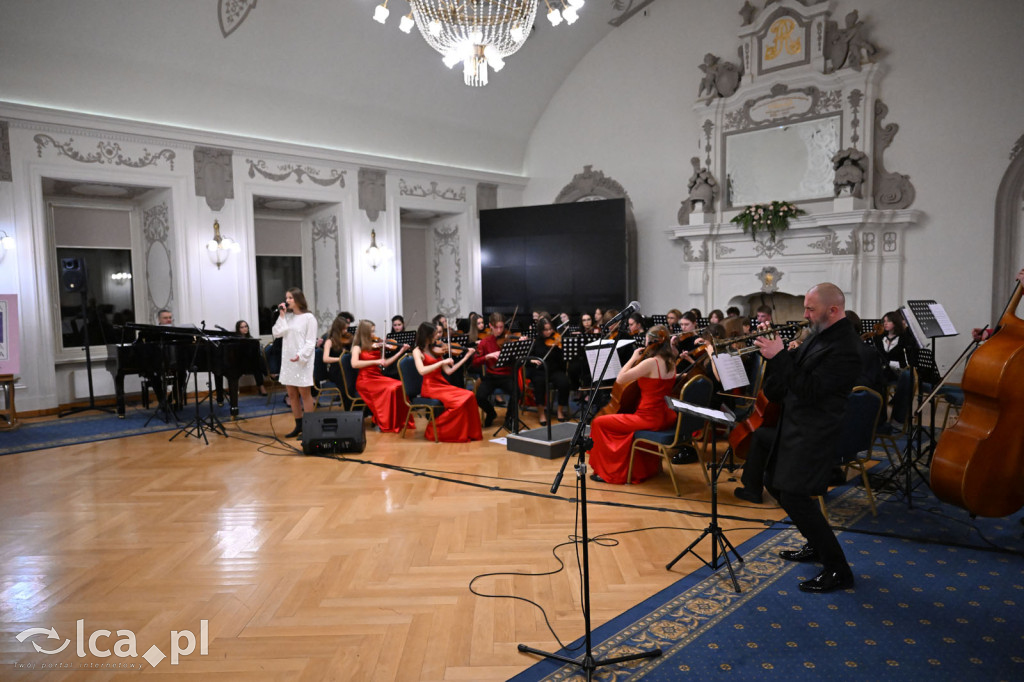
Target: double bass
(978,463)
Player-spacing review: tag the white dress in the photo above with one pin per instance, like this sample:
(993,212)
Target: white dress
(299,338)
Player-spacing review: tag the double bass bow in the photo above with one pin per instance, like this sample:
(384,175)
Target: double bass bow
(978,462)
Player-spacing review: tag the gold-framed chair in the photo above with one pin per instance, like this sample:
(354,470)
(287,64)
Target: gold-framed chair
(352,399)
(412,384)
(696,391)
(856,437)
(902,414)
(329,389)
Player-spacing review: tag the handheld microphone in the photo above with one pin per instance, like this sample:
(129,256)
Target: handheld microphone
(633,307)
(282,307)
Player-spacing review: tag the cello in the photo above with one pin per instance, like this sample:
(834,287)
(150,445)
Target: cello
(978,463)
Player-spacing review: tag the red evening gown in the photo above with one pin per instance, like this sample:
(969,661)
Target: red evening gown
(382,394)
(613,434)
(460,421)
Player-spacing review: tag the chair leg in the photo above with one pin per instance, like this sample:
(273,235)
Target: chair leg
(867,487)
(666,456)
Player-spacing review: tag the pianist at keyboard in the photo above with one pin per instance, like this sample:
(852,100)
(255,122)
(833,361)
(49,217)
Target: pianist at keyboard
(297,328)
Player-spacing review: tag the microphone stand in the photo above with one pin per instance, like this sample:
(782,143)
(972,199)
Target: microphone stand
(581,445)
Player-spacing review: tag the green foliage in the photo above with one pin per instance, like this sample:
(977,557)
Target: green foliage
(772,218)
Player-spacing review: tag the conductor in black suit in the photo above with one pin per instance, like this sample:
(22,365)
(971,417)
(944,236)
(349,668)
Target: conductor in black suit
(812,383)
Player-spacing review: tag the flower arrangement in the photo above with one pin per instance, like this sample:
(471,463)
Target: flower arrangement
(772,218)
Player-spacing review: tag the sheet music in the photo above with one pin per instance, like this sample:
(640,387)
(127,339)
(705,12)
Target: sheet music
(604,348)
(943,319)
(707,412)
(915,328)
(730,371)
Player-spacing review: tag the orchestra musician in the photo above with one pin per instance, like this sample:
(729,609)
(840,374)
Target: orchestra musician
(494,377)
(334,346)
(635,324)
(297,327)
(382,394)
(547,345)
(813,384)
(895,345)
(242,329)
(716,316)
(653,368)
(673,316)
(460,421)
(397,324)
(165,318)
(587,324)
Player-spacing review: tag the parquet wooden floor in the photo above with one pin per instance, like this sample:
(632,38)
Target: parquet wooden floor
(315,569)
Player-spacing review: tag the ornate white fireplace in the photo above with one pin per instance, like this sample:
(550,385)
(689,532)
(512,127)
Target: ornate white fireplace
(860,251)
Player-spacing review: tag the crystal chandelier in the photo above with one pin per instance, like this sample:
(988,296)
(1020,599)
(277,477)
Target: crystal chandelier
(478,33)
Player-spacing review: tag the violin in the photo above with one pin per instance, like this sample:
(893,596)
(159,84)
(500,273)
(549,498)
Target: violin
(554,340)
(874,333)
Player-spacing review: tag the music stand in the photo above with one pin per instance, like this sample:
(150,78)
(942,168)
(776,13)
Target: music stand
(514,354)
(718,539)
(927,320)
(198,426)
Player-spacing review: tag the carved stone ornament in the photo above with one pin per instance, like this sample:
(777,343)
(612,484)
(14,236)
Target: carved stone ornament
(851,167)
(721,78)
(703,188)
(591,183)
(769,277)
(109,152)
(847,46)
(892,190)
(6,174)
(232,13)
(214,179)
(449,193)
(286,171)
(372,192)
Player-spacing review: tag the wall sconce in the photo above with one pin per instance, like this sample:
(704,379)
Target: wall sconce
(376,254)
(6,244)
(219,248)
(121,277)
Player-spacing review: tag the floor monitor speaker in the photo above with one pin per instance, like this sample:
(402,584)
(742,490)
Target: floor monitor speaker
(333,433)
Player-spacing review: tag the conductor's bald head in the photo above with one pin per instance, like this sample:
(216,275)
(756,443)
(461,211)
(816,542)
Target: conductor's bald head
(824,305)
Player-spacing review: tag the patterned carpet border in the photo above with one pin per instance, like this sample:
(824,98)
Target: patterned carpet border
(685,616)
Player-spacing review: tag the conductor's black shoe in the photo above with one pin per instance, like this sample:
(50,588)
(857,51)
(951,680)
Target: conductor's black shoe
(595,477)
(489,418)
(829,580)
(748,496)
(805,553)
(837,477)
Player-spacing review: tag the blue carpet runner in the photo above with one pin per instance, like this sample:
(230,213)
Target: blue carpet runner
(935,603)
(94,426)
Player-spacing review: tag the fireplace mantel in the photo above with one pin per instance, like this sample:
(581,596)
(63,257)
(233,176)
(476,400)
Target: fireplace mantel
(861,251)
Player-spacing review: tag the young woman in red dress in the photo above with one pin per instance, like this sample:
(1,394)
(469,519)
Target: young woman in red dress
(382,394)
(460,421)
(653,370)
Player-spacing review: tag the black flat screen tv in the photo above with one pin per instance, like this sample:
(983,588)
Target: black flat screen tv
(558,258)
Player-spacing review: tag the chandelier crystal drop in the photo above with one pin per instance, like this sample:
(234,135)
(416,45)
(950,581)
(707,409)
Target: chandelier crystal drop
(478,33)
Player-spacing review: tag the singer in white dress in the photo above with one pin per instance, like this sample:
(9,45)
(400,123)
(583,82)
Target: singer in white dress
(297,328)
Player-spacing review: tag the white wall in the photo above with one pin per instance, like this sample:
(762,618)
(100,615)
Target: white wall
(952,86)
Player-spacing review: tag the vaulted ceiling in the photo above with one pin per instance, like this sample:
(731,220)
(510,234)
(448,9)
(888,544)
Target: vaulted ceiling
(317,72)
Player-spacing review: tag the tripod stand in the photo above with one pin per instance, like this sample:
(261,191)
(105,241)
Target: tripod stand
(198,426)
(581,444)
(718,539)
(514,353)
(88,366)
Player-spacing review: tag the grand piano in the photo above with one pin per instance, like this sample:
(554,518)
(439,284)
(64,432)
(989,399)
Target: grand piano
(158,352)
